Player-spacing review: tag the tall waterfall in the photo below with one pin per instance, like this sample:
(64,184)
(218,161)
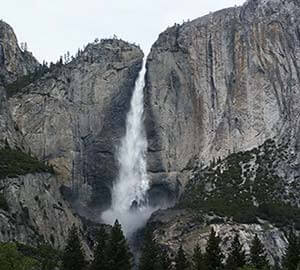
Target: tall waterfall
(129,192)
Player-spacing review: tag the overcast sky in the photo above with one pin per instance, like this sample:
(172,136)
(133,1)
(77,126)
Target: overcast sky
(52,27)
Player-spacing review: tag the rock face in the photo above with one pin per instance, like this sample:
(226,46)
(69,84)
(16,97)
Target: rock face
(36,211)
(222,83)
(251,192)
(13,62)
(182,227)
(70,116)
(74,116)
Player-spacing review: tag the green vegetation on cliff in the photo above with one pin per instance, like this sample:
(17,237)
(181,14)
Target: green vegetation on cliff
(12,259)
(73,255)
(245,186)
(15,162)
(153,256)
(16,256)
(14,87)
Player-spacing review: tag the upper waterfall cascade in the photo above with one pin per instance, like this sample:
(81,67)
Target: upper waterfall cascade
(129,193)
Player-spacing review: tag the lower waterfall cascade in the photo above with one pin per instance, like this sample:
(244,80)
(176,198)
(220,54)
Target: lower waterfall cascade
(129,192)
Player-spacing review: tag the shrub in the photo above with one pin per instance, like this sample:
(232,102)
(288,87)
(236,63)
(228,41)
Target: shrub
(227,190)
(15,162)
(14,87)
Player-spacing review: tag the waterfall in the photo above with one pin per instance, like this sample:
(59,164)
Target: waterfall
(129,192)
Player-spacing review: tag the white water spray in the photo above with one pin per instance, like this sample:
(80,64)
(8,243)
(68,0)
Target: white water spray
(129,193)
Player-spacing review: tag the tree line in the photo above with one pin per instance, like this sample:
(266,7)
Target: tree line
(213,258)
(112,253)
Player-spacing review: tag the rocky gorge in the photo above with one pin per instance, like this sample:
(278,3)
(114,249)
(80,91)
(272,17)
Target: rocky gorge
(221,101)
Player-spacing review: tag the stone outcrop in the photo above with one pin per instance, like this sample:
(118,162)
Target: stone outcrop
(13,62)
(33,209)
(219,84)
(36,211)
(251,192)
(182,227)
(222,83)
(74,116)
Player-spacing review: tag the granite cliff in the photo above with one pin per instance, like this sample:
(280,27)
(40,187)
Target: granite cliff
(223,83)
(33,210)
(221,116)
(69,117)
(74,115)
(217,87)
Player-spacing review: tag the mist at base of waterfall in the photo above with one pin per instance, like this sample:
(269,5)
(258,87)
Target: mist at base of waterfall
(131,220)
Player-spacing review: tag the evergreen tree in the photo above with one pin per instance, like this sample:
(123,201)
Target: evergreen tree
(236,257)
(73,255)
(180,260)
(258,255)
(291,259)
(149,256)
(164,262)
(12,259)
(48,257)
(198,259)
(214,255)
(118,254)
(100,258)
(153,257)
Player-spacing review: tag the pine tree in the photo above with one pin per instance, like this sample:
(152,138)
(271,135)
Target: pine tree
(73,255)
(236,257)
(153,257)
(164,262)
(149,256)
(100,257)
(180,260)
(197,259)
(12,259)
(49,257)
(118,254)
(258,255)
(291,259)
(214,255)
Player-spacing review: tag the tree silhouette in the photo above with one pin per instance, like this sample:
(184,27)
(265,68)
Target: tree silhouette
(100,257)
(198,259)
(214,255)
(236,257)
(164,262)
(258,255)
(118,254)
(149,255)
(153,257)
(180,260)
(291,259)
(73,255)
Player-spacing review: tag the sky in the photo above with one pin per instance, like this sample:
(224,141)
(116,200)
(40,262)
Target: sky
(52,27)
